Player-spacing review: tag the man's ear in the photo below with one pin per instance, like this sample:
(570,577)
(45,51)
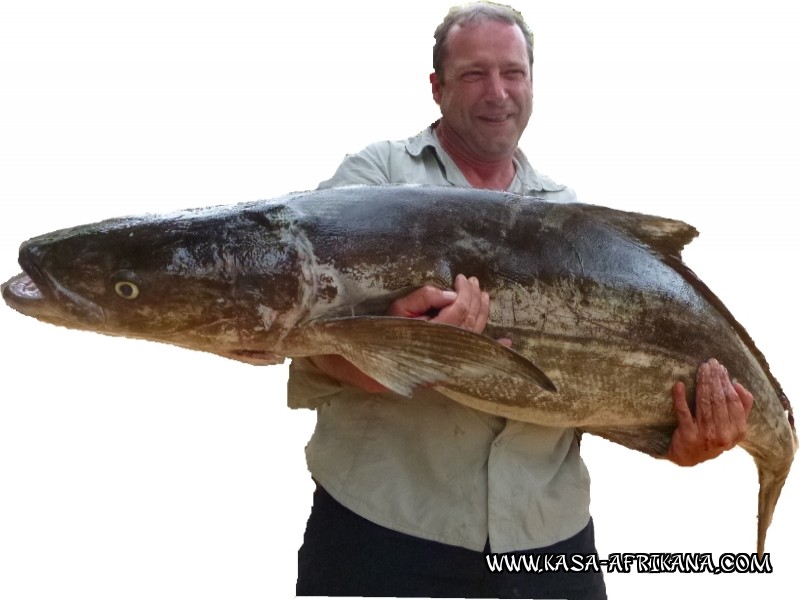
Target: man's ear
(436,88)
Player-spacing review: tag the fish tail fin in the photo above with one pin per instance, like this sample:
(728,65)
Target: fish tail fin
(773,451)
(770,486)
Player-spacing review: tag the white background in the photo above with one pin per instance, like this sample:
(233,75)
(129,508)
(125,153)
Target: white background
(133,470)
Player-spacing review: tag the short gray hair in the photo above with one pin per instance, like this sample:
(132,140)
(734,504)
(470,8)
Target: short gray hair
(477,12)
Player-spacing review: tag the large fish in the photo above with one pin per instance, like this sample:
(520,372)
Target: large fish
(603,314)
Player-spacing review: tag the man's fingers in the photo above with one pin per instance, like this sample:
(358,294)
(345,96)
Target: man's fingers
(483,312)
(470,309)
(455,312)
(720,416)
(739,402)
(682,412)
(702,399)
(745,397)
(719,388)
(721,406)
(422,301)
(466,307)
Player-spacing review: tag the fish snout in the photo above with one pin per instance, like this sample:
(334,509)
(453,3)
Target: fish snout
(36,294)
(20,290)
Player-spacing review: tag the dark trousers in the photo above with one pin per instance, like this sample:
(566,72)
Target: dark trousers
(346,555)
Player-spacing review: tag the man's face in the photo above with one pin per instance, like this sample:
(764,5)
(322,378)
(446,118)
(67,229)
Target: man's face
(485,96)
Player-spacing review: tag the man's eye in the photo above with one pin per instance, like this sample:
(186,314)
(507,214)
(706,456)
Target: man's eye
(472,75)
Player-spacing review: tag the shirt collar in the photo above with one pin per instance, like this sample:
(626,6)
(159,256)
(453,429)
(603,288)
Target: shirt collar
(531,180)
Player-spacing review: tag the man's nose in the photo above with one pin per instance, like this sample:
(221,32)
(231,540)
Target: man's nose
(496,88)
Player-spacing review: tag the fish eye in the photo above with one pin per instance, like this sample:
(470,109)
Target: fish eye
(127,290)
(126,285)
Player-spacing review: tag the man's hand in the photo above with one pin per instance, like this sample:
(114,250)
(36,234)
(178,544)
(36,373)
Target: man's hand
(466,307)
(720,419)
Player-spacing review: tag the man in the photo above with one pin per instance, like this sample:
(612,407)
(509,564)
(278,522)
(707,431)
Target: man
(413,492)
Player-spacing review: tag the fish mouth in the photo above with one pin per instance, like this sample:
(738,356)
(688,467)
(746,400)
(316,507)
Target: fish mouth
(35,294)
(23,295)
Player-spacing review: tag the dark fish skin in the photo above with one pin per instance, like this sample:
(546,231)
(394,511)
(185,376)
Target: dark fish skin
(603,314)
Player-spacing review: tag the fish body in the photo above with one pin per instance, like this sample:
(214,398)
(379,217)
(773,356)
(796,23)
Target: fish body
(603,314)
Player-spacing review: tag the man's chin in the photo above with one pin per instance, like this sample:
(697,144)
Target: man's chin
(498,147)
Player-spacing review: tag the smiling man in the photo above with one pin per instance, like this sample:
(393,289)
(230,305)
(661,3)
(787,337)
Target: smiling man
(414,492)
(485,94)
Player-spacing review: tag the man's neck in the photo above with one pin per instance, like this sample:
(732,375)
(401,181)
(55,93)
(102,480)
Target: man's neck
(479,172)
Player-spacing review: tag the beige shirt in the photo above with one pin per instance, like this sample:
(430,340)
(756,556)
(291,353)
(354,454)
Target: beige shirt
(425,465)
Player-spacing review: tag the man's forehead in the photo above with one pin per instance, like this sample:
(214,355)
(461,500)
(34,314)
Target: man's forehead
(485,41)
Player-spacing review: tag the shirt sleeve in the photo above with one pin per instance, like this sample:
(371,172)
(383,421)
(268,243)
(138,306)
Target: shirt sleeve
(368,167)
(307,386)
(564,196)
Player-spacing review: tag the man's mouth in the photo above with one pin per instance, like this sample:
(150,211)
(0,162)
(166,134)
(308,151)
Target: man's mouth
(495,118)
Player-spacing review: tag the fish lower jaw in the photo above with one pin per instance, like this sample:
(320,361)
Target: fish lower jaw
(59,306)
(21,289)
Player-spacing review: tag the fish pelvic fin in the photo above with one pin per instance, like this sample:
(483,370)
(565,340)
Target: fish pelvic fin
(405,354)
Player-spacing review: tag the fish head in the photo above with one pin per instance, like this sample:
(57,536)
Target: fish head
(209,279)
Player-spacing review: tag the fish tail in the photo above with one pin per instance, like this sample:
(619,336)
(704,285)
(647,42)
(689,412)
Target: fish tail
(770,486)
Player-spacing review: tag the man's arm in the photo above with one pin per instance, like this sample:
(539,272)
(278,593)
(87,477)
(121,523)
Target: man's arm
(720,419)
(466,307)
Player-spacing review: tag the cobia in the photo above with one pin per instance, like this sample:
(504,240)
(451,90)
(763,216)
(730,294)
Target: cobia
(603,314)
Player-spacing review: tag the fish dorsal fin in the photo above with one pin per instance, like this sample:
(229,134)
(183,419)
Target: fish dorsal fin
(406,354)
(668,237)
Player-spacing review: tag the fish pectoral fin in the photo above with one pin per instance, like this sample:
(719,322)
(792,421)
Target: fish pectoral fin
(405,354)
